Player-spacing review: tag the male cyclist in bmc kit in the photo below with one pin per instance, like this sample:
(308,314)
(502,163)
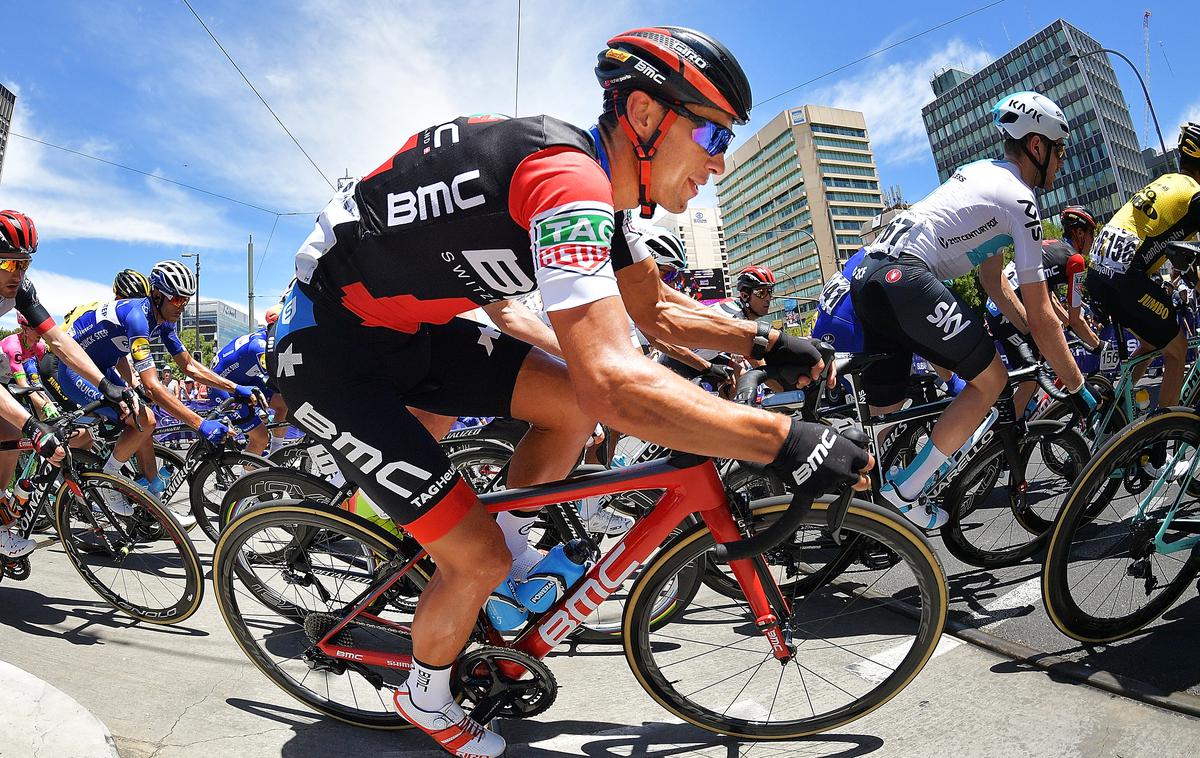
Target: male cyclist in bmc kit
(18,243)
(1063,264)
(1132,246)
(904,306)
(243,361)
(480,209)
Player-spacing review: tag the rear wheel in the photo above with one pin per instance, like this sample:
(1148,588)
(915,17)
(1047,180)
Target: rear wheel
(210,482)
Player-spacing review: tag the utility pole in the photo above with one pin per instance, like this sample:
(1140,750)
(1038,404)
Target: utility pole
(250,280)
(1146,45)
(196,331)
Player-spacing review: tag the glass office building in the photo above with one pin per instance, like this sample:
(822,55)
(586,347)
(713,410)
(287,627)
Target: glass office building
(1104,165)
(794,196)
(8,102)
(220,323)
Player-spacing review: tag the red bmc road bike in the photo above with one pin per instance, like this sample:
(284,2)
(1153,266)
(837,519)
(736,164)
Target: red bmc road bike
(321,600)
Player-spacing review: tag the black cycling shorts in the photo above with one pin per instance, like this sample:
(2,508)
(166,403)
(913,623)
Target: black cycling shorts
(349,386)
(904,309)
(1010,340)
(679,367)
(1138,304)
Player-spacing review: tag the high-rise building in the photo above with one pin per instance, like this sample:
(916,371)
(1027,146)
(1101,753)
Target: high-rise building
(8,102)
(1158,163)
(1103,165)
(702,235)
(794,196)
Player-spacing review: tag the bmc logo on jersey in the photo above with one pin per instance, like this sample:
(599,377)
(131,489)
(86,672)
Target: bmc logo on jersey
(576,236)
(432,200)
(946,317)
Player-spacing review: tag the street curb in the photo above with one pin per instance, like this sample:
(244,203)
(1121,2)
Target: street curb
(53,722)
(1180,702)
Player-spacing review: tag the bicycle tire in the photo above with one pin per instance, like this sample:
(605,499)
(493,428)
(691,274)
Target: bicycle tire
(985,529)
(478,461)
(174,558)
(1084,528)
(286,515)
(862,518)
(274,483)
(219,470)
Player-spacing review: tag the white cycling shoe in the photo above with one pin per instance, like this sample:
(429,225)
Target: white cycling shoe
(1178,472)
(116,502)
(921,511)
(13,545)
(451,727)
(608,522)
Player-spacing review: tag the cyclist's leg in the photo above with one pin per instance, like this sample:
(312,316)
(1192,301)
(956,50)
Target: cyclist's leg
(1175,361)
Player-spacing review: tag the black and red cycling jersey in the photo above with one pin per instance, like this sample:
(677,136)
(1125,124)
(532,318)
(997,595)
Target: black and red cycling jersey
(467,213)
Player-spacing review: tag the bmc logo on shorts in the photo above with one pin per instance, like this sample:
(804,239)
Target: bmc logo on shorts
(893,276)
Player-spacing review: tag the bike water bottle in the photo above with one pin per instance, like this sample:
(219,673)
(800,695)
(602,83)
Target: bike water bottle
(503,609)
(550,578)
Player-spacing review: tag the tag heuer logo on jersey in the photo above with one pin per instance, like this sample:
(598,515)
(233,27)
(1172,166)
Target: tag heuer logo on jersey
(139,349)
(574,236)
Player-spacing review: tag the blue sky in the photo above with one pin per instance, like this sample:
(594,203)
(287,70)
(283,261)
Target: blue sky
(145,86)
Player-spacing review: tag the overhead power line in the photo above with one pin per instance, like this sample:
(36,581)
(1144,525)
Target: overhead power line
(256,93)
(156,177)
(881,50)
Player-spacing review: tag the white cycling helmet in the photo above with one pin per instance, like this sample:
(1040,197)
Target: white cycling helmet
(173,279)
(666,248)
(1023,113)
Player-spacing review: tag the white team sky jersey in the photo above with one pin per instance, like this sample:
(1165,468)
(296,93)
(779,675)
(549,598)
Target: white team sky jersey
(981,209)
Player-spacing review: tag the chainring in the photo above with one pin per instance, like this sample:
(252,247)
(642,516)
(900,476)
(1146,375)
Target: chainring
(479,680)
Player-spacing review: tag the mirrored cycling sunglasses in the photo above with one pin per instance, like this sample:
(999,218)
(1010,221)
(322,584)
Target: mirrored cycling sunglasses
(15,265)
(713,138)
(763,292)
(178,301)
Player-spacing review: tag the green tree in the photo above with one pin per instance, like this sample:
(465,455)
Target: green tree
(207,349)
(6,332)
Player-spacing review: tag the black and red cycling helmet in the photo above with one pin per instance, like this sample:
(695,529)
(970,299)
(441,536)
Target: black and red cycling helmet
(18,235)
(676,66)
(753,277)
(1077,217)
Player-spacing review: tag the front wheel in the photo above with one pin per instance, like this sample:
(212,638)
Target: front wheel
(144,565)
(855,641)
(210,482)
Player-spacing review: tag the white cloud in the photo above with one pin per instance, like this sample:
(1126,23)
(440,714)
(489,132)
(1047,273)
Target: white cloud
(60,293)
(891,92)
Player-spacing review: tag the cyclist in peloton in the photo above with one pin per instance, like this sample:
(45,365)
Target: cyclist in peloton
(18,243)
(1062,263)
(25,344)
(904,306)
(113,330)
(243,361)
(1132,246)
(482,208)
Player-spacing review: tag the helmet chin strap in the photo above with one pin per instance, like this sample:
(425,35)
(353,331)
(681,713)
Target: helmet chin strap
(643,149)
(1042,166)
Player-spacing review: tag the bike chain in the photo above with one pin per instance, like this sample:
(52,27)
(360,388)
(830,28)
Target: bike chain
(492,693)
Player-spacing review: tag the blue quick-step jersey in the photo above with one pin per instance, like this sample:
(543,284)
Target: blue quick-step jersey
(836,322)
(110,331)
(243,361)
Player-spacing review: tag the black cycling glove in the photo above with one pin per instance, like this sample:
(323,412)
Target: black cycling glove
(718,374)
(44,438)
(794,357)
(816,460)
(115,394)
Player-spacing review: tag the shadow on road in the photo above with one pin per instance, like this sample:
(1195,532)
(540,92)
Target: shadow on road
(36,614)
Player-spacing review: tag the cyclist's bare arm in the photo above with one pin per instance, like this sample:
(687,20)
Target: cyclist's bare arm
(1048,334)
(198,371)
(625,390)
(168,402)
(666,315)
(516,320)
(681,354)
(995,284)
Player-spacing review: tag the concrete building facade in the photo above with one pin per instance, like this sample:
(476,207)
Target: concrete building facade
(1103,165)
(794,196)
(8,103)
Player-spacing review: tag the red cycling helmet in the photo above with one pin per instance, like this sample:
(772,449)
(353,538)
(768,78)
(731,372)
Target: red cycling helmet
(18,235)
(753,277)
(1077,217)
